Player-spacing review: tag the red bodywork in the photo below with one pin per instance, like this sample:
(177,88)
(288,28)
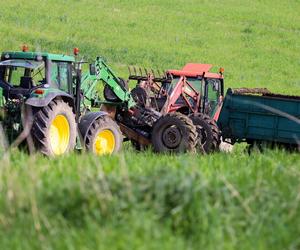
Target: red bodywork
(186,90)
(194,70)
(190,95)
(180,97)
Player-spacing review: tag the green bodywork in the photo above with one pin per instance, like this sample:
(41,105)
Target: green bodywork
(90,82)
(260,118)
(51,76)
(35,55)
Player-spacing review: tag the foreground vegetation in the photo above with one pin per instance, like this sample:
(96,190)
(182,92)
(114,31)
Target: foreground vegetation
(145,201)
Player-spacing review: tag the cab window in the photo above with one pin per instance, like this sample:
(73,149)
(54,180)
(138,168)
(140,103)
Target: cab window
(196,83)
(60,76)
(22,73)
(212,95)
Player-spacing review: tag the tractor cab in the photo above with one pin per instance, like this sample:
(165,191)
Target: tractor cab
(199,83)
(34,79)
(23,72)
(193,89)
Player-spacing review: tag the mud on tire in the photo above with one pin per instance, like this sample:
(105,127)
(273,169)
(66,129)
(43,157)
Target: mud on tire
(209,139)
(174,133)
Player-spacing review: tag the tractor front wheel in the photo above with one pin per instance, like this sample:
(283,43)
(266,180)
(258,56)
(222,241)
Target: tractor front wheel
(174,133)
(104,137)
(54,129)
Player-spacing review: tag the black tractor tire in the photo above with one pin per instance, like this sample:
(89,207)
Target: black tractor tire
(174,133)
(111,136)
(108,93)
(140,96)
(54,129)
(209,139)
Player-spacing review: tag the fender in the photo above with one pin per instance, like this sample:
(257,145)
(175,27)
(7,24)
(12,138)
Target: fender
(87,120)
(43,100)
(217,112)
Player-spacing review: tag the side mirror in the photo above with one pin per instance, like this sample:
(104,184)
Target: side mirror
(92,69)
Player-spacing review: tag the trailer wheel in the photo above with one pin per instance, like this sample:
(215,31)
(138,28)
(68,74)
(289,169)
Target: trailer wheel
(174,133)
(108,93)
(209,139)
(54,129)
(104,137)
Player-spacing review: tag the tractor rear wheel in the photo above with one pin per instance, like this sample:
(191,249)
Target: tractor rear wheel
(54,129)
(104,137)
(174,133)
(209,139)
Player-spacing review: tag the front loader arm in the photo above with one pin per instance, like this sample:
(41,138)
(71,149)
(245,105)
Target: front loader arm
(104,73)
(88,86)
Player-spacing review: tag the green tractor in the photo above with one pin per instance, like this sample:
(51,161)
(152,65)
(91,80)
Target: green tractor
(46,104)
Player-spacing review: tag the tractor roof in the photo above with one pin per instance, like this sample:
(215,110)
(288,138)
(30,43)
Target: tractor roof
(195,70)
(34,55)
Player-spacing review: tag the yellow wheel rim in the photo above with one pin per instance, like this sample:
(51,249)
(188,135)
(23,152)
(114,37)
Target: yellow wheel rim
(104,143)
(59,135)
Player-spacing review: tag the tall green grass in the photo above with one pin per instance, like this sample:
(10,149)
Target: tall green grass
(142,200)
(146,201)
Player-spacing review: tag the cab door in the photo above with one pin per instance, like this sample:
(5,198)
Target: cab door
(61,76)
(213,91)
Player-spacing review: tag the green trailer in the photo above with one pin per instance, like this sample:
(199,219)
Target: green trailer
(258,116)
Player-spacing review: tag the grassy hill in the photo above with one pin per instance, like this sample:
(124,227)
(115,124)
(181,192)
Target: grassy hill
(142,200)
(257,43)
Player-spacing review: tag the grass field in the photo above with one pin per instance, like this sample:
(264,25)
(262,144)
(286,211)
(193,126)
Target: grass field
(146,201)
(257,43)
(141,201)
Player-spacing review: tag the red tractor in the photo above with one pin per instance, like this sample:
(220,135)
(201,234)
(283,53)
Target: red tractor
(193,91)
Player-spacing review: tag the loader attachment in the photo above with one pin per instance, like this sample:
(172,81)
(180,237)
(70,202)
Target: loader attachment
(139,74)
(105,74)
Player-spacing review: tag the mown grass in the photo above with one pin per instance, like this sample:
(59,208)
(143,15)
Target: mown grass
(146,201)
